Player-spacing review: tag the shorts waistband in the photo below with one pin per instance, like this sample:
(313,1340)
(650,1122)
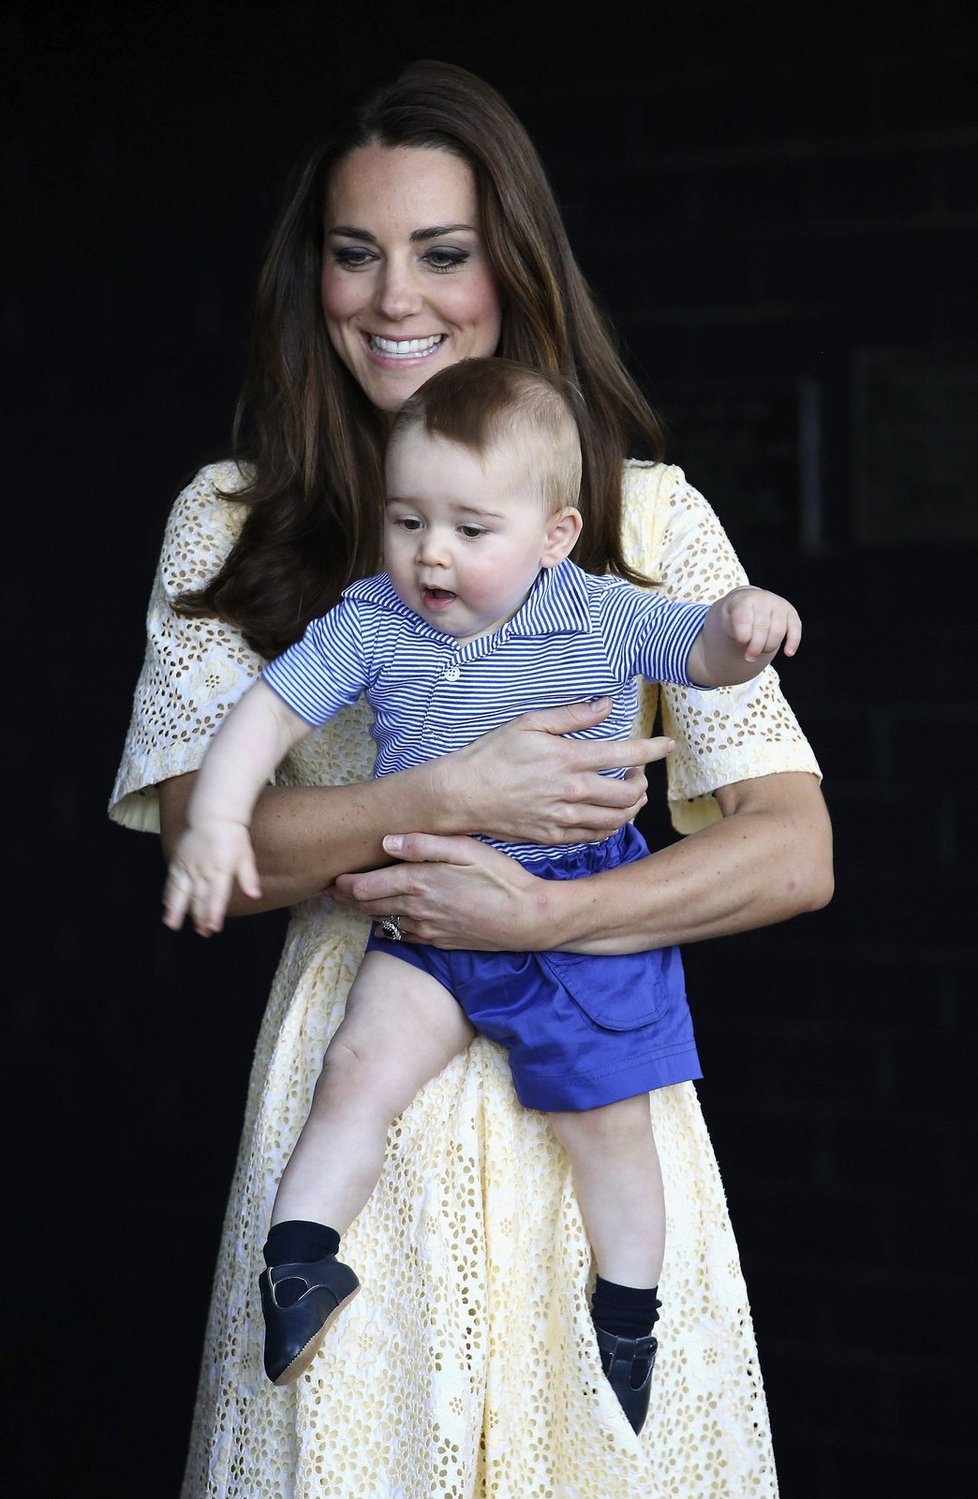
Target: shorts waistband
(623,847)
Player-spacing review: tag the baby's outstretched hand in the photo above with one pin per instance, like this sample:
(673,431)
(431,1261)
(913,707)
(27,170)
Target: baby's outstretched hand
(761,622)
(207,861)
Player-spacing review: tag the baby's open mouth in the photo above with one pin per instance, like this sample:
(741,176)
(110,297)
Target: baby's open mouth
(438,595)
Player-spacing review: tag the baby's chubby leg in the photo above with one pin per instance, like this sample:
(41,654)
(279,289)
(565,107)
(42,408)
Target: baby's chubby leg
(400,1029)
(619,1186)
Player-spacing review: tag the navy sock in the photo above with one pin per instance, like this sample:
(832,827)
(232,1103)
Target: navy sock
(297,1241)
(624,1311)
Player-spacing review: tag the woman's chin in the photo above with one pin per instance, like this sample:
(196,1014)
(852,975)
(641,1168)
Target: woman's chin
(388,385)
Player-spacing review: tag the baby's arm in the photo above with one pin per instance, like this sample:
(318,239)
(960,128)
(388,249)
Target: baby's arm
(741,634)
(215,849)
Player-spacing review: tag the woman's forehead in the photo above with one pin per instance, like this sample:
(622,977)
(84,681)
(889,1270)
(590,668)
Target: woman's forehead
(399,181)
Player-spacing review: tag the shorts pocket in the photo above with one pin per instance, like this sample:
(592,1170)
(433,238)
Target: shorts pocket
(619,993)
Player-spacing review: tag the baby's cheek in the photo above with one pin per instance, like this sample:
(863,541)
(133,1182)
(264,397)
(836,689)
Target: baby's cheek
(483,587)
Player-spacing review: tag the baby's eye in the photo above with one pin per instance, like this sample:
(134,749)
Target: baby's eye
(471,532)
(408,523)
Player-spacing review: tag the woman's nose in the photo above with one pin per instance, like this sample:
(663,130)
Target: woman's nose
(397,292)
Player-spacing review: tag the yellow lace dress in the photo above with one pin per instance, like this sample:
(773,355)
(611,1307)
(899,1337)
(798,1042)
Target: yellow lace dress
(467,1368)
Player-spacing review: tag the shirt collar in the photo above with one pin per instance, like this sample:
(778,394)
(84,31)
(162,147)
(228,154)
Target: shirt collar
(378,590)
(557,604)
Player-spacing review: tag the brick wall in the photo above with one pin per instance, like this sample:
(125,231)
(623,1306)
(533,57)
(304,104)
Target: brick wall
(838,1048)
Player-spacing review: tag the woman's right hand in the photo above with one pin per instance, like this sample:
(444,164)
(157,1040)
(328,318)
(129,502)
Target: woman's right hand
(527,783)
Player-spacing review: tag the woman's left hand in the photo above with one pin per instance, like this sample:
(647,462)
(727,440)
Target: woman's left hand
(450,892)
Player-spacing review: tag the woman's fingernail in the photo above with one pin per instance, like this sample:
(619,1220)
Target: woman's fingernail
(393,843)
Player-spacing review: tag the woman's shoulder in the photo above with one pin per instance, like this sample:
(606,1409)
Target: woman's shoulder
(646,482)
(657,501)
(204,522)
(213,490)
(672,534)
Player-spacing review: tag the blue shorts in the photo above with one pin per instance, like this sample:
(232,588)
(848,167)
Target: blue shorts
(581,1031)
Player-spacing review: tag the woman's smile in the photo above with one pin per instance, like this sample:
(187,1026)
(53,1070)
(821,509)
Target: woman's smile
(403,348)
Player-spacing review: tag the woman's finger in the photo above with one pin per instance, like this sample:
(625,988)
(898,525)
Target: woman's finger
(615,754)
(378,892)
(453,892)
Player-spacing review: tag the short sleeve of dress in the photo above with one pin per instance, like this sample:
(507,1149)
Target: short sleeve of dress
(195,669)
(730,733)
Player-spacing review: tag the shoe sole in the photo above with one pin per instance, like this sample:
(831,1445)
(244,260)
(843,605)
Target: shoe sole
(304,1358)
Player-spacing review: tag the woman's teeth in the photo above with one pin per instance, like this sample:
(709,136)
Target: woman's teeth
(404,348)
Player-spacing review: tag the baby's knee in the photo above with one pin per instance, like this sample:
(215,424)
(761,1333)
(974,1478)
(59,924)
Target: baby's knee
(364,1079)
(350,1067)
(610,1125)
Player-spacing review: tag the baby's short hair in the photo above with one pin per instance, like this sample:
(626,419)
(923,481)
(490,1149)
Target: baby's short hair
(480,403)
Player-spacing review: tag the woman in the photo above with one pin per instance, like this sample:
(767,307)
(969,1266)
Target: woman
(423,231)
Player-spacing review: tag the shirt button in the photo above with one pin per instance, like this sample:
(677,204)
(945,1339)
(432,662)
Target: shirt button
(452,674)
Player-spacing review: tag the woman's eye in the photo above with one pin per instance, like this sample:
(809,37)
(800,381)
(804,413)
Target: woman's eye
(351,258)
(445,258)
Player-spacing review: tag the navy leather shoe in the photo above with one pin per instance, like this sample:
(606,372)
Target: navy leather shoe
(293,1333)
(628,1365)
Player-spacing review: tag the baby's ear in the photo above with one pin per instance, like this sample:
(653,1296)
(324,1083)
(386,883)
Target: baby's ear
(563,529)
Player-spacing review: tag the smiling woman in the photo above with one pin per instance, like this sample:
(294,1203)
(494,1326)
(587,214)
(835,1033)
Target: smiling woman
(422,230)
(407,285)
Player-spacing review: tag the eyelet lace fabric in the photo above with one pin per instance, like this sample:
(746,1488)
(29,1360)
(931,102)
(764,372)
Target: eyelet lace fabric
(467,1367)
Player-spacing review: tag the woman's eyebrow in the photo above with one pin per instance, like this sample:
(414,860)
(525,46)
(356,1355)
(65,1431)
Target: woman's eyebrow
(438,229)
(350,231)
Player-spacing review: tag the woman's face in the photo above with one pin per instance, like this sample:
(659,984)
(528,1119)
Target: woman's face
(407,287)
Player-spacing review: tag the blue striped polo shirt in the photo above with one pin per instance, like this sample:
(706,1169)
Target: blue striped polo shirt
(576,637)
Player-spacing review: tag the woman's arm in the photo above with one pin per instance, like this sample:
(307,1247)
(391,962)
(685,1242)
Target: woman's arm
(524,780)
(769,858)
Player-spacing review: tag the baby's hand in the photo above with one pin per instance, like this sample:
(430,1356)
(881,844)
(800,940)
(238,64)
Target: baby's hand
(207,861)
(761,622)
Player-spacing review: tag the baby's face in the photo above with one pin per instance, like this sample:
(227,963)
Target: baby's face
(464,535)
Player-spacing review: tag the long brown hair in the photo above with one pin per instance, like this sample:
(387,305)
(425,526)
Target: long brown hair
(311,441)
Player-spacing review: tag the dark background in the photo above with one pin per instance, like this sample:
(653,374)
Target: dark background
(776,202)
